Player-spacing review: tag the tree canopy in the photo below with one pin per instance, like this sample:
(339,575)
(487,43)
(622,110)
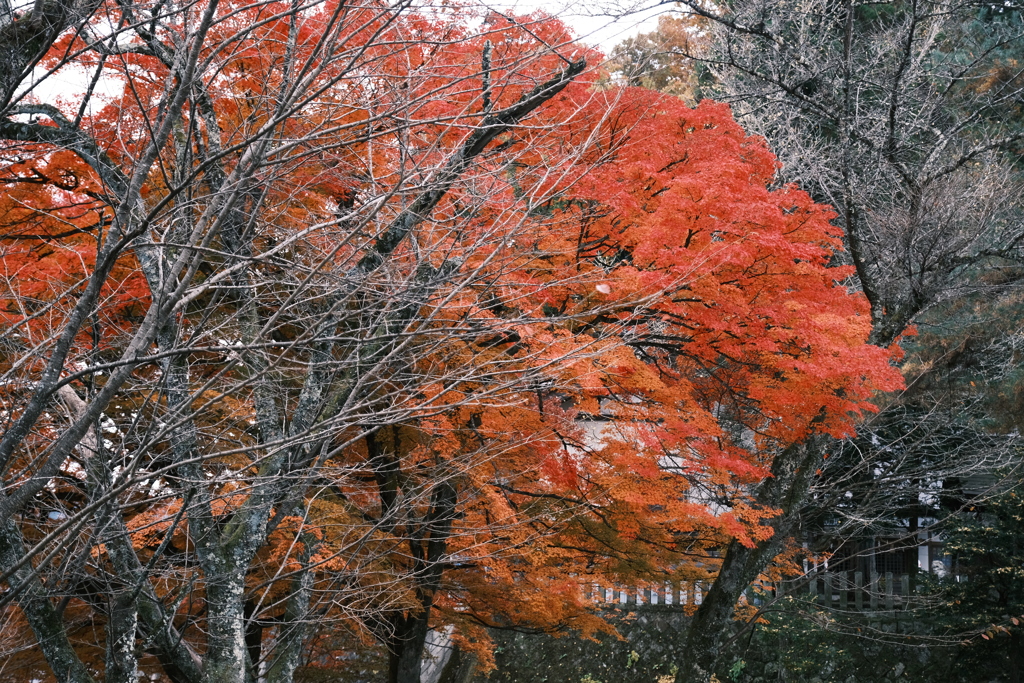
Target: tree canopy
(384,318)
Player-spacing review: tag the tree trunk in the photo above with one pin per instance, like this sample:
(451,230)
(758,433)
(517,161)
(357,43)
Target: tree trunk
(122,625)
(47,625)
(785,489)
(709,626)
(460,667)
(409,632)
(227,657)
(407,648)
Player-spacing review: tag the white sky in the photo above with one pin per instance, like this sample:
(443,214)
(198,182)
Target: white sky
(602,23)
(596,22)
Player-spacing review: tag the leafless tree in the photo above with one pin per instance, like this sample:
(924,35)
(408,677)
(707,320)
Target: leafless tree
(289,308)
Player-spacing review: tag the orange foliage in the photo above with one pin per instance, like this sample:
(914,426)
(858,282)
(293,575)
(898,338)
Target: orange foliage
(637,323)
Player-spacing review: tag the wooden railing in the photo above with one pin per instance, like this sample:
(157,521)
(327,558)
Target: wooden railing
(668,595)
(852,590)
(846,590)
(835,590)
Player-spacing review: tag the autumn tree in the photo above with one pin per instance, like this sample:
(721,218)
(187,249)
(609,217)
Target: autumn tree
(180,268)
(660,59)
(901,116)
(375,318)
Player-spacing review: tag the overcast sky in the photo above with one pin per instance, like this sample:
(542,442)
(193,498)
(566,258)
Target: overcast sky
(591,21)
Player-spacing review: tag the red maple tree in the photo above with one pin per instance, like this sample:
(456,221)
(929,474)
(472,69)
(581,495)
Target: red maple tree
(400,323)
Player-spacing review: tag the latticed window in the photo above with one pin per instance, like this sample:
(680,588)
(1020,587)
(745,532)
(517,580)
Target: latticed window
(894,561)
